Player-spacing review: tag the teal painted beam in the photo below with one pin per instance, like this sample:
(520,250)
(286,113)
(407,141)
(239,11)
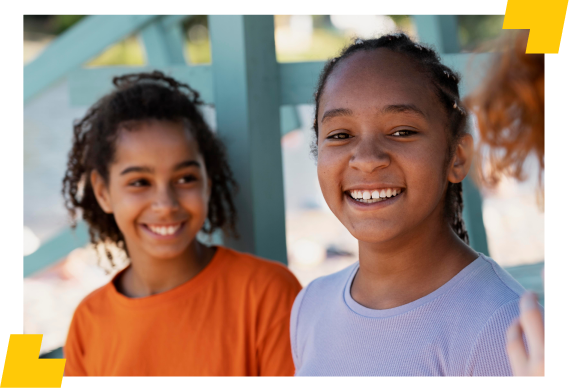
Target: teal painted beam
(56,249)
(439,31)
(169,21)
(297,81)
(472,215)
(289,119)
(247,101)
(86,86)
(76,46)
(164,46)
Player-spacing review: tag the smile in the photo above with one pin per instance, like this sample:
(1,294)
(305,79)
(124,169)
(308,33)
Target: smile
(375,195)
(164,230)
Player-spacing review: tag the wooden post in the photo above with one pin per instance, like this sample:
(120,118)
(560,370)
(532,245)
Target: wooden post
(247,103)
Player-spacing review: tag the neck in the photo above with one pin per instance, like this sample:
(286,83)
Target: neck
(148,276)
(407,268)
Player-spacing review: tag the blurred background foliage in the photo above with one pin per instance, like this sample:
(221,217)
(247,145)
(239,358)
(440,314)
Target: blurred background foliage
(297,37)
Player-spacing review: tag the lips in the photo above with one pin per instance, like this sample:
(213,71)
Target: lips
(374,195)
(164,230)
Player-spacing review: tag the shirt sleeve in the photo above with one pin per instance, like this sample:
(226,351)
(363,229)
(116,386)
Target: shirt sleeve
(73,350)
(488,356)
(273,347)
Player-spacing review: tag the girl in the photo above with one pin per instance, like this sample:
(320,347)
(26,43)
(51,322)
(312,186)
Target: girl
(147,174)
(392,150)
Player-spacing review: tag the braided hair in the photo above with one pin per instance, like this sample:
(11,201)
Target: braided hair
(141,97)
(445,82)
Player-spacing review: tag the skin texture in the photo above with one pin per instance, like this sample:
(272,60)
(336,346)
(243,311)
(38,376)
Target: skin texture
(367,140)
(158,177)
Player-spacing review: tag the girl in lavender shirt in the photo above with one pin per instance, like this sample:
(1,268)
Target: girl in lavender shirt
(393,148)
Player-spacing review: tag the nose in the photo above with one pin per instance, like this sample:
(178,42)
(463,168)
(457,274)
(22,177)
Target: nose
(166,200)
(369,155)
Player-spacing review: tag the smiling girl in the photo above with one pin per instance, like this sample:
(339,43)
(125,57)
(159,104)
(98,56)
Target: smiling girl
(392,149)
(147,174)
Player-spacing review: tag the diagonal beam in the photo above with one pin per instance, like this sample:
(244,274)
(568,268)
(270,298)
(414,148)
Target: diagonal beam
(297,80)
(76,46)
(56,249)
(86,86)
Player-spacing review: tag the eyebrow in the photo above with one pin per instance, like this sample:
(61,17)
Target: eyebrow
(402,108)
(398,108)
(335,113)
(179,166)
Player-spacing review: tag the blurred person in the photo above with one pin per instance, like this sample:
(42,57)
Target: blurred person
(392,148)
(147,174)
(509,108)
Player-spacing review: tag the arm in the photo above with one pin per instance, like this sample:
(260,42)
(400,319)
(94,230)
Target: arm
(74,349)
(488,355)
(273,348)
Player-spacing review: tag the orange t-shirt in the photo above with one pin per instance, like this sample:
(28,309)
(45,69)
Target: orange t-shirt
(231,319)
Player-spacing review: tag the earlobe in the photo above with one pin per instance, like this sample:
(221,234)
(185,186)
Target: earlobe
(462,159)
(101,192)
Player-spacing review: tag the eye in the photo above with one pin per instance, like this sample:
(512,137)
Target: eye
(139,183)
(187,179)
(339,136)
(403,133)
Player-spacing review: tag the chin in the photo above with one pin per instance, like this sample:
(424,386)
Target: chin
(167,254)
(373,233)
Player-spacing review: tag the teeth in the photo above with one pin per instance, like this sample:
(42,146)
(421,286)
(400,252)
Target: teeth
(372,196)
(164,230)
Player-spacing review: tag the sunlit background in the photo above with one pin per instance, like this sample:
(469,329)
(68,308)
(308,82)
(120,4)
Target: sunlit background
(317,243)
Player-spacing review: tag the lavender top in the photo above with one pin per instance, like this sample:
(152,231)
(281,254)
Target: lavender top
(457,330)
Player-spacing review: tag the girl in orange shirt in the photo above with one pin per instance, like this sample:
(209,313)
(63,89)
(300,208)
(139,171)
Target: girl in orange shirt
(147,174)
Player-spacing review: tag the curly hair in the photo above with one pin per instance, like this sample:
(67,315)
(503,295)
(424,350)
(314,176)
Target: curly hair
(445,82)
(509,107)
(141,97)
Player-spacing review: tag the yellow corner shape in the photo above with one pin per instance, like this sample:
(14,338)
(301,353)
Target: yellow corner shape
(543,18)
(23,368)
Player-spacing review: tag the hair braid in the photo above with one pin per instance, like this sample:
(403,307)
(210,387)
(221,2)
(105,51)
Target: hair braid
(445,82)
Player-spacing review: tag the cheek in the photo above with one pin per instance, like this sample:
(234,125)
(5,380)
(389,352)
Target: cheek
(329,169)
(425,172)
(127,206)
(195,200)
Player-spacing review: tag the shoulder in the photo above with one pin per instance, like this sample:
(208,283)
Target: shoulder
(489,286)
(94,302)
(90,313)
(322,291)
(495,284)
(257,271)
(325,286)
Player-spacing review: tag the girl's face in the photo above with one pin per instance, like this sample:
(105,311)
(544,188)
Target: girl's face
(158,189)
(382,134)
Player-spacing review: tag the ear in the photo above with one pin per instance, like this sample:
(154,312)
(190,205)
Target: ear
(460,163)
(101,192)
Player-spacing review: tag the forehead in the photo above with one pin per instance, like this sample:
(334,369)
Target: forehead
(369,80)
(155,142)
